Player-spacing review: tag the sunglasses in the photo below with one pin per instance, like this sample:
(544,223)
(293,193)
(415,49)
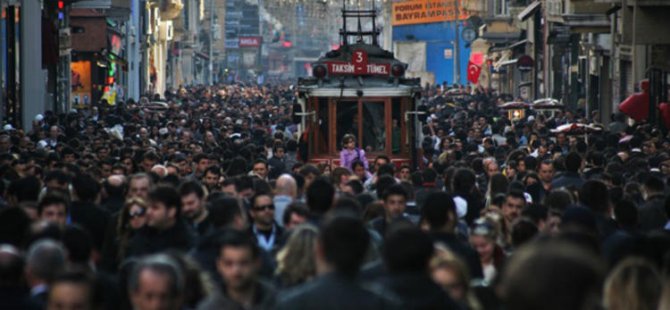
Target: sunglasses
(137,213)
(263,208)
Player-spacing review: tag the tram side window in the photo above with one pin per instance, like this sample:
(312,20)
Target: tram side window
(323,126)
(347,120)
(374,128)
(396,127)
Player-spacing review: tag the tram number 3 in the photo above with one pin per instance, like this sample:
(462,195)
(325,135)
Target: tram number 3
(359,57)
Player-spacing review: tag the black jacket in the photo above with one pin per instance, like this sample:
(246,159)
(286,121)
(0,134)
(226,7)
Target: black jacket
(652,213)
(93,218)
(17,298)
(334,291)
(418,292)
(150,241)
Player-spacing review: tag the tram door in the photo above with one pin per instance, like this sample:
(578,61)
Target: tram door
(365,121)
(377,124)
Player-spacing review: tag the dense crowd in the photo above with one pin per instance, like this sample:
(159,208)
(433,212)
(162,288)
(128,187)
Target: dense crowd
(207,200)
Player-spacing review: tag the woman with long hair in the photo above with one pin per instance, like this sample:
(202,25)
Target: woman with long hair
(131,218)
(483,238)
(498,184)
(633,284)
(295,261)
(451,273)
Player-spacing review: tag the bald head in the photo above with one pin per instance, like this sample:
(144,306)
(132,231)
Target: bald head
(160,170)
(116,180)
(286,185)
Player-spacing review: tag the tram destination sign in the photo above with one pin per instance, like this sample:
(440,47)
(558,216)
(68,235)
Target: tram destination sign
(359,65)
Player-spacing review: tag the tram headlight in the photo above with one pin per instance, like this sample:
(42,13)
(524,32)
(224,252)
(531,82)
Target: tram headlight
(319,71)
(398,70)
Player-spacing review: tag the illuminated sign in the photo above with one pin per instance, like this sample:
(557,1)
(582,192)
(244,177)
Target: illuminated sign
(358,66)
(412,12)
(250,41)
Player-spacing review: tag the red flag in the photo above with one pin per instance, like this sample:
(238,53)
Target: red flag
(473,72)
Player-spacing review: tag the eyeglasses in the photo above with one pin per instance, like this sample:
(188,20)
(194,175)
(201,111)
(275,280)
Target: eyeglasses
(137,213)
(263,208)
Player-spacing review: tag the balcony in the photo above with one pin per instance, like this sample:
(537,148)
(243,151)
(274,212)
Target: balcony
(587,16)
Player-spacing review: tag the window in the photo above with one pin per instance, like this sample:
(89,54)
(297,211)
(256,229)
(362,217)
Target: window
(500,7)
(374,129)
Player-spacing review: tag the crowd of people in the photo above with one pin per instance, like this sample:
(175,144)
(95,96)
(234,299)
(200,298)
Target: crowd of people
(209,202)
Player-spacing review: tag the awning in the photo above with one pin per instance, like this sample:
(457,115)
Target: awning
(511,46)
(587,23)
(529,10)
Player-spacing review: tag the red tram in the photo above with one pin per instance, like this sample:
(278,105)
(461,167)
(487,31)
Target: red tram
(360,89)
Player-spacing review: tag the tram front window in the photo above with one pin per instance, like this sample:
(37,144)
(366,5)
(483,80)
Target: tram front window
(374,128)
(347,121)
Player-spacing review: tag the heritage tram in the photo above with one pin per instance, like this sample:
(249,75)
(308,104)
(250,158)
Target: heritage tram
(360,89)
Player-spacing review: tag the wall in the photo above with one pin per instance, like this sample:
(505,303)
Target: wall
(438,37)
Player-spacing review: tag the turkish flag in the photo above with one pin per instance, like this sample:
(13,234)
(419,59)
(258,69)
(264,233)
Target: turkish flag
(473,72)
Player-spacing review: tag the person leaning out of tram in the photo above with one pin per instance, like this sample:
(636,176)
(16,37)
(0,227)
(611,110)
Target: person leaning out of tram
(350,153)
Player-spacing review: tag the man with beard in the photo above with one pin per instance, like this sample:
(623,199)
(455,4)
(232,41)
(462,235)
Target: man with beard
(193,206)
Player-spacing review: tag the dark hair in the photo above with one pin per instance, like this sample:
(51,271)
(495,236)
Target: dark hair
(464,181)
(150,156)
(558,199)
(168,196)
(238,239)
(58,176)
(654,184)
(260,161)
(191,187)
(625,212)
(523,231)
(25,189)
(345,242)
(86,187)
(357,163)
(198,157)
(213,170)
(395,189)
(383,183)
(516,194)
(573,161)
(387,169)
(429,175)
(252,201)
(243,183)
(438,209)
(356,186)
(320,195)
(223,211)
(562,262)
(407,249)
(347,203)
(296,207)
(52,199)
(595,196)
(309,169)
(79,244)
